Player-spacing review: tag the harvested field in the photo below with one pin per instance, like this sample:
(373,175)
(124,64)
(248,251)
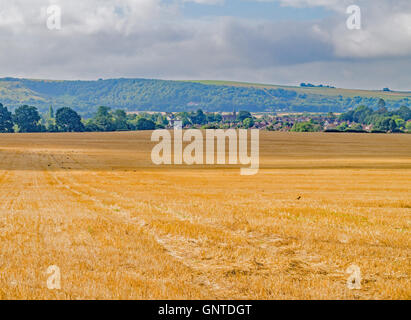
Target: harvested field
(119,227)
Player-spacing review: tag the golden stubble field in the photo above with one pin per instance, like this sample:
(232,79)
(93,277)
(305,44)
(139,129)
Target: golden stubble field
(120,228)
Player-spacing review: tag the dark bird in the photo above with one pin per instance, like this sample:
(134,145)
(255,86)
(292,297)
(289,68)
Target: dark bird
(299,197)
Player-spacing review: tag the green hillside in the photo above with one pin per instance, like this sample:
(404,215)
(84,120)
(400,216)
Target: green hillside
(162,95)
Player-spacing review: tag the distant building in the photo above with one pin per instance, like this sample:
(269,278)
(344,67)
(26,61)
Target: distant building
(230,117)
(178,124)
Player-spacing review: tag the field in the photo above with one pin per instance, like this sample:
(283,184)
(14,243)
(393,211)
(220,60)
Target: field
(119,227)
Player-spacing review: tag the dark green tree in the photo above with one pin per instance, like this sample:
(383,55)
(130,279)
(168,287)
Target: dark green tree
(120,120)
(6,120)
(90,126)
(393,125)
(51,113)
(347,116)
(198,117)
(361,113)
(342,127)
(356,127)
(68,120)
(103,119)
(381,104)
(27,119)
(50,121)
(144,124)
(242,115)
(307,126)
(210,117)
(248,123)
(385,124)
(383,110)
(404,112)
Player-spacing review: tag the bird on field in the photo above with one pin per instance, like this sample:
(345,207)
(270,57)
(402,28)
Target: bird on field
(299,198)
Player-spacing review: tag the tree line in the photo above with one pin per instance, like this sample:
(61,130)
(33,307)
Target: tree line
(382,120)
(28,119)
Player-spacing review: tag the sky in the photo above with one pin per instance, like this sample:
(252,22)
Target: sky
(268,41)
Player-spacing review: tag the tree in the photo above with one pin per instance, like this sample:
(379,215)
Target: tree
(185,121)
(404,112)
(51,113)
(342,127)
(242,115)
(383,110)
(161,120)
(103,119)
(68,120)
(408,126)
(50,121)
(248,123)
(400,123)
(120,120)
(144,124)
(103,111)
(348,116)
(27,118)
(356,127)
(198,117)
(381,104)
(210,117)
(385,124)
(307,126)
(393,125)
(361,113)
(51,126)
(218,117)
(6,120)
(90,126)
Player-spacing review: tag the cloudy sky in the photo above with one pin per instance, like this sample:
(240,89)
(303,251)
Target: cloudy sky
(269,41)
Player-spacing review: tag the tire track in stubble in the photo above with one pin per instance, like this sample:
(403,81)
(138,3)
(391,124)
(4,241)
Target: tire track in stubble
(180,248)
(125,218)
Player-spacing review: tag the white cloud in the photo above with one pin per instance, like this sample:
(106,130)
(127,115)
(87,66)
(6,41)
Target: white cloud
(151,38)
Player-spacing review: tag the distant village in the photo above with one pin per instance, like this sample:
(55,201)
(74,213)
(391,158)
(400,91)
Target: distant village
(300,122)
(262,121)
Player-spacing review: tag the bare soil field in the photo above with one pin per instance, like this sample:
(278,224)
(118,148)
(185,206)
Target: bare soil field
(119,227)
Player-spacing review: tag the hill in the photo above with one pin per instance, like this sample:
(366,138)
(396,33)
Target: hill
(164,95)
